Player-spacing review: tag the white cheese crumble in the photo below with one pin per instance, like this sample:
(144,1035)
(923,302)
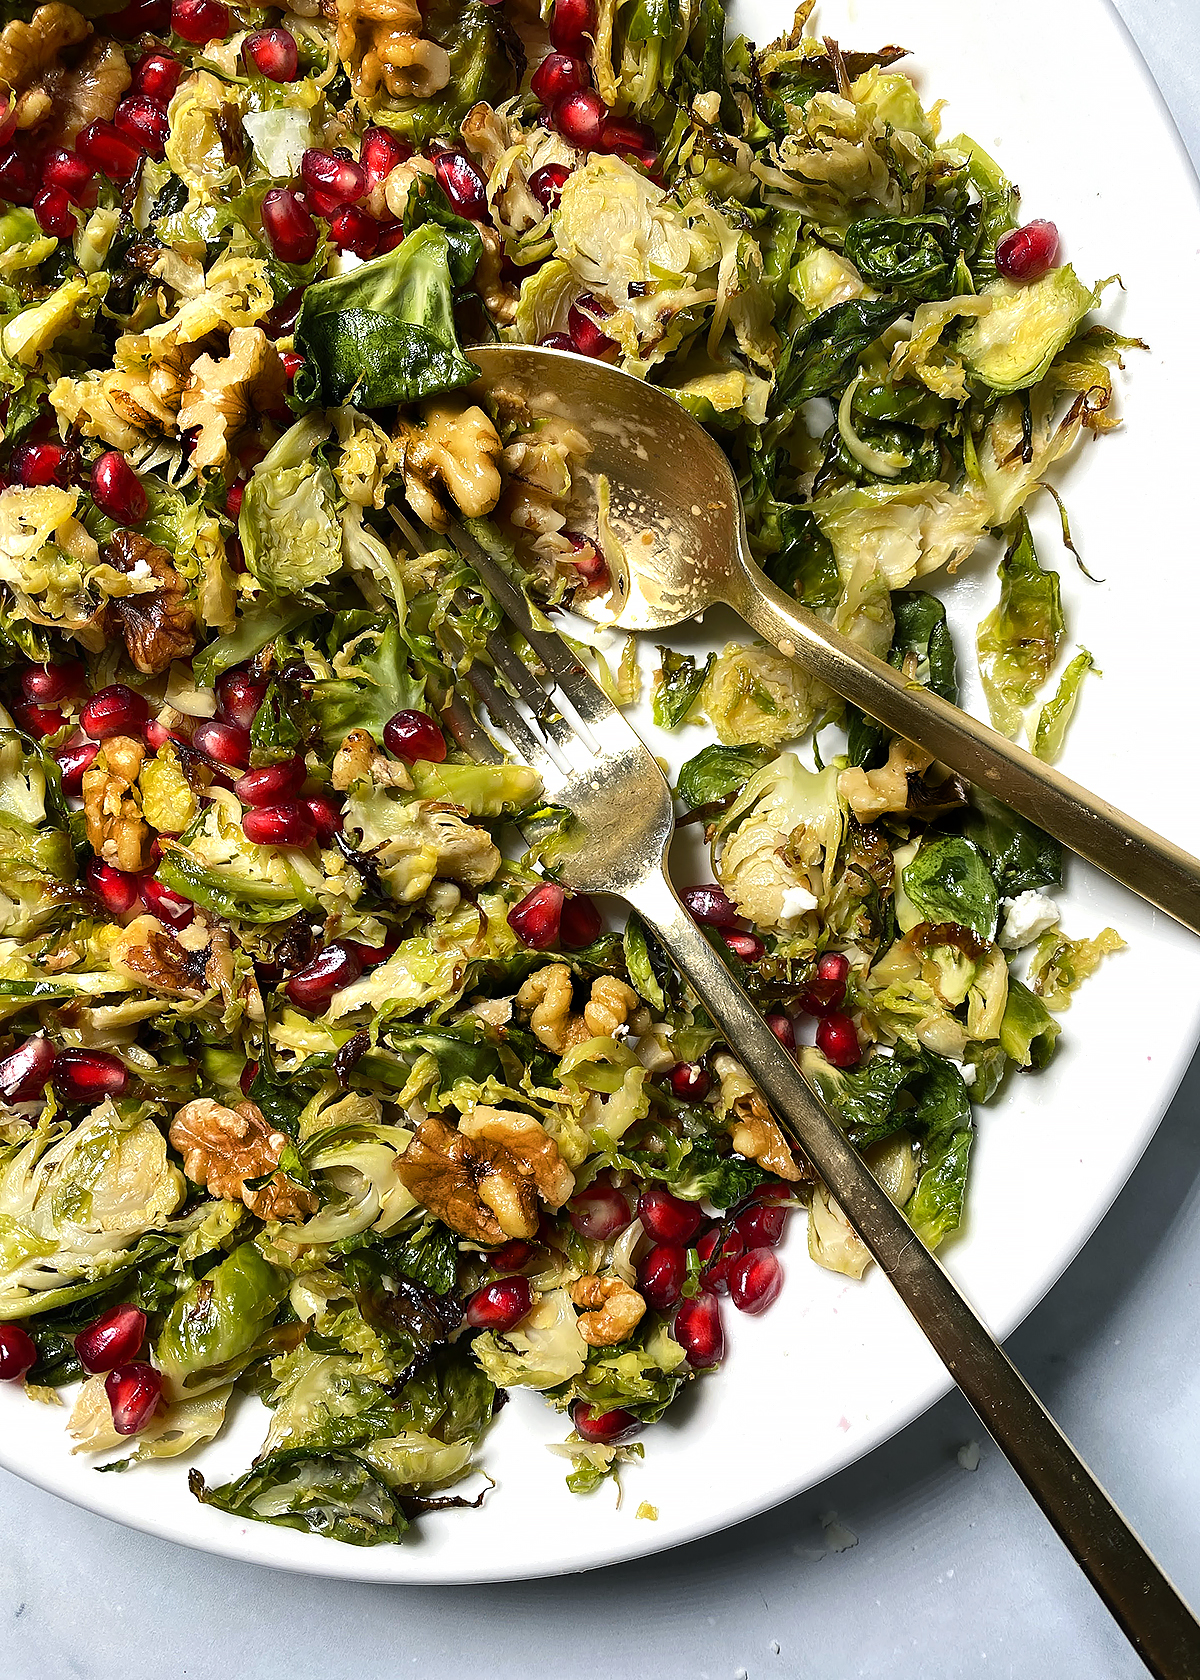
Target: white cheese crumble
(1029,915)
(796,900)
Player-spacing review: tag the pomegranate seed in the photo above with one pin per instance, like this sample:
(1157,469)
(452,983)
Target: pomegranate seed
(135,1390)
(335,178)
(558,75)
(149,17)
(462,184)
(224,742)
(273,784)
(46,684)
(116,889)
(8,119)
(380,153)
(199,21)
(580,923)
(537,918)
(666,1218)
(837,1040)
(116,710)
(145,122)
(755,1281)
(158,76)
(88,1075)
(288,824)
(63,169)
(292,361)
(38,721)
(233,498)
(113,1339)
(414,735)
(73,761)
(586,557)
(35,464)
(332,968)
(290,230)
(170,907)
(709,906)
(748,946)
(599,1212)
(157,735)
(698,1330)
(1027,253)
(690,1082)
(277,323)
(239,696)
(826,991)
(760,1227)
(571,22)
(117,490)
(102,145)
(52,208)
(510,1258)
(579,118)
(273,53)
(351,229)
(661,1276)
(391,234)
(783,1029)
(499,1306)
(325,815)
(18,1352)
(546,185)
(706,1246)
(25,1071)
(619,134)
(557,341)
(604,1427)
(247,1077)
(834,967)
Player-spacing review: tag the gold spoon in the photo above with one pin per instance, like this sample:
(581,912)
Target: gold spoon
(677,513)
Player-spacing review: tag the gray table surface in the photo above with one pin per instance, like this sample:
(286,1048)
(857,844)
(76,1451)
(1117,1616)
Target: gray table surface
(954,1574)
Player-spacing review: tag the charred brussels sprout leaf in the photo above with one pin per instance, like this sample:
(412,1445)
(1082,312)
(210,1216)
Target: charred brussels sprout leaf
(1018,640)
(679,686)
(805,565)
(1028,1030)
(716,772)
(914,254)
(823,354)
(214,1324)
(948,881)
(428,203)
(334,1495)
(705,1174)
(1021,856)
(921,631)
(1056,714)
(487,62)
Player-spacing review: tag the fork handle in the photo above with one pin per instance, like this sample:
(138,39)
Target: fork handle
(1148,1608)
(1154,868)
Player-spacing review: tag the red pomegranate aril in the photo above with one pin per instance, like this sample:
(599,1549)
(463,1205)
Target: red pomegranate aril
(278,323)
(117,490)
(113,1339)
(557,341)
(391,234)
(729,1249)
(102,145)
(826,991)
(571,22)
(462,184)
(586,556)
(273,784)
(537,918)
(709,906)
(380,153)
(199,21)
(239,696)
(273,53)
(8,119)
(619,134)
(690,1082)
(24,1072)
(699,1331)
(116,710)
(599,1212)
(325,814)
(755,1281)
(19,179)
(311,987)
(38,721)
(748,946)
(290,230)
(52,208)
(157,735)
(140,17)
(558,75)
(18,1352)
(351,229)
(116,889)
(605,1428)
(413,735)
(337,180)
(761,1227)
(170,907)
(661,1275)
(75,177)
(586,336)
(546,184)
(73,761)
(580,923)
(227,743)
(292,361)
(158,76)
(666,1218)
(288,824)
(511,1257)
(1027,253)
(580,117)
(47,684)
(837,1040)
(233,498)
(499,1306)
(88,1075)
(781,1025)
(144,120)
(247,1077)
(833,968)
(37,464)
(134,1391)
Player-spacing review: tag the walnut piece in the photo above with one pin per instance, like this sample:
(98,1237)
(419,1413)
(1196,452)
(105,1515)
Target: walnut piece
(457,449)
(116,829)
(870,793)
(379,41)
(358,759)
(528,1141)
(548,994)
(161,961)
(221,395)
(29,58)
(614,1309)
(90,90)
(159,626)
(753,1131)
(223,1147)
(476,1187)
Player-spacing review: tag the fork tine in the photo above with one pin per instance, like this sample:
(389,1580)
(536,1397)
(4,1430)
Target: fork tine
(540,702)
(503,712)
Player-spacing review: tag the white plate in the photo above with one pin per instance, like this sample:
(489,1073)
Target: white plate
(1060,94)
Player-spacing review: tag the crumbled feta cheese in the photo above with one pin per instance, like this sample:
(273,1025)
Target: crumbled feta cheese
(796,900)
(1029,915)
(140,569)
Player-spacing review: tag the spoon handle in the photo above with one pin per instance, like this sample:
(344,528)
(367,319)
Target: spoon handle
(1160,872)
(1148,1608)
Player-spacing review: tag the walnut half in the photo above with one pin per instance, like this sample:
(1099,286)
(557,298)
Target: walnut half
(485,1186)
(160,625)
(614,1309)
(116,829)
(223,1147)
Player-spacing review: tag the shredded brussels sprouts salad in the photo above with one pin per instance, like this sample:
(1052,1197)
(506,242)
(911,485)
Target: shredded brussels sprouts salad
(317,1086)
